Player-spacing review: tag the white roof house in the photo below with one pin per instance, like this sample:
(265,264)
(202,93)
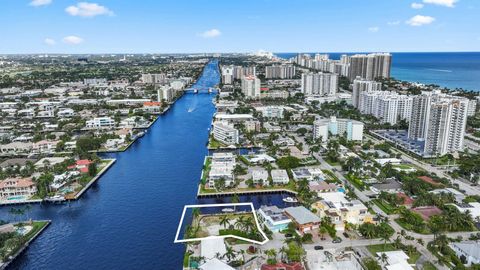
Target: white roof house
(215,264)
(469,249)
(396,260)
(210,247)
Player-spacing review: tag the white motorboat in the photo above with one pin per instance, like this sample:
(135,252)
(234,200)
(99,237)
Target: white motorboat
(290,200)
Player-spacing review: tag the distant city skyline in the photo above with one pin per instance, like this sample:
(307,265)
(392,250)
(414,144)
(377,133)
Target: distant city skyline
(108,26)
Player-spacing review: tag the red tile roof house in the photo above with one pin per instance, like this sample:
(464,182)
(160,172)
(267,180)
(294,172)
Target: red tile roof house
(81,165)
(283,266)
(17,187)
(430,181)
(405,199)
(427,211)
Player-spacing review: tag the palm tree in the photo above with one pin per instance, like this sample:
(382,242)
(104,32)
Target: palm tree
(240,222)
(384,257)
(230,254)
(225,221)
(195,214)
(283,251)
(272,254)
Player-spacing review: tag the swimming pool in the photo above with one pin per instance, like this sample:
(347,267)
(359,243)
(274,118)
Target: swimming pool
(17,198)
(341,189)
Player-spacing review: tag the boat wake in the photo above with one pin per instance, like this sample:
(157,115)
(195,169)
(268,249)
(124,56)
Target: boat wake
(440,70)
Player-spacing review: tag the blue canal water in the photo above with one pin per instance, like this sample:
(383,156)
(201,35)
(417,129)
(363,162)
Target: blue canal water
(128,219)
(447,69)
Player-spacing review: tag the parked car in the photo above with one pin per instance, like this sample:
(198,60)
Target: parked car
(346,235)
(337,240)
(288,235)
(318,247)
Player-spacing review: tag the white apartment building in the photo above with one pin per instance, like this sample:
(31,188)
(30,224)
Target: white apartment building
(251,86)
(225,133)
(387,106)
(280,72)
(272,112)
(439,120)
(100,123)
(221,167)
(361,85)
(352,129)
(154,78)
(323,84)
(165,93)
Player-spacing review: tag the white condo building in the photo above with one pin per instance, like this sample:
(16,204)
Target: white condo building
(361,85)
(251,86)
(225,133)
(324,84)
(322,128)
(387,106)
(280,72)
(100,123)
(439,120)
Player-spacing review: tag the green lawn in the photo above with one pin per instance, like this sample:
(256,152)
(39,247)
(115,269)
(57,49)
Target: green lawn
(385,206)
(429,266)
(357,182)
(331,177)
(381,248)
(213,144)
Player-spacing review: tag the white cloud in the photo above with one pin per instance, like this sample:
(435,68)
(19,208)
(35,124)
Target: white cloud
(374,29)
(416,5)
(445,3)
(212,33)
(38,3)
(420,20)
(49,41)
(72,40)
(85,9)
(393,23)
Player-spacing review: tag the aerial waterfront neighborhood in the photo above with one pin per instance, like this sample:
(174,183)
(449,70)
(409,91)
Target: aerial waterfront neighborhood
(367,171)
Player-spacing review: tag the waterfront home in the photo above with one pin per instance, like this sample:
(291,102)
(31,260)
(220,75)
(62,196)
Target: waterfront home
(81,165)
(259,158)
(14,187)
(310,174)
(44,147)
(7,228)
(322,187)
(49,161)
(260,176)
(15,148)
(100,123)
(15,162)
(303,219)
(340,210)
(469,250)
(273,217)
(279,177)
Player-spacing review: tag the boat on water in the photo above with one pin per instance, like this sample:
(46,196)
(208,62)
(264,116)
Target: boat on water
(290,200)
(195,91)
(55,199)
(228,210)
(140,134)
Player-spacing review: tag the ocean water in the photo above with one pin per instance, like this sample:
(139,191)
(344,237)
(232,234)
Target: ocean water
(446,69)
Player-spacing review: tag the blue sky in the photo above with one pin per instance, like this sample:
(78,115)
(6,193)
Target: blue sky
(149,26)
